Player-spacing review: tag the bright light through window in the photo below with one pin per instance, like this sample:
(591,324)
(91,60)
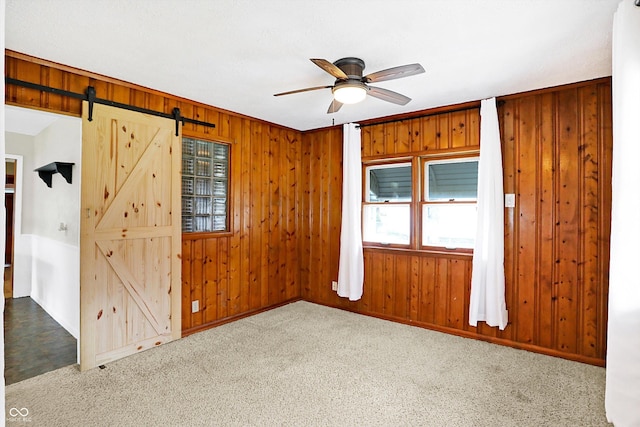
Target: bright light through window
(449,209)
(448,225)
(387,223)
(387,211)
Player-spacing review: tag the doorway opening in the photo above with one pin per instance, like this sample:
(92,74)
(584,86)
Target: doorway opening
(41,318)
(9,196)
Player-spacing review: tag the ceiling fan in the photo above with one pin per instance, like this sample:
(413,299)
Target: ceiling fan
(351,86)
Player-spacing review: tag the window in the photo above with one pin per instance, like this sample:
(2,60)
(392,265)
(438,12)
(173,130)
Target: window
(449,203)
(205,186)
(387,207)
(431,206)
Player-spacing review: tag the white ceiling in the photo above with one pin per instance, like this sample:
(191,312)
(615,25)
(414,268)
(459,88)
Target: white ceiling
(235,54)
(27,122)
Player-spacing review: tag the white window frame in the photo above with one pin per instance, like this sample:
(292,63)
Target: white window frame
(426,202)
(392,163)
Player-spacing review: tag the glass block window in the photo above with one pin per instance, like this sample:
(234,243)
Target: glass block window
(205,186)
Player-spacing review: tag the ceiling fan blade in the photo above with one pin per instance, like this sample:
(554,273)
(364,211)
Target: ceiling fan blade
(388,95)
(393,73)
(302,90)
(330,68)
(334,107)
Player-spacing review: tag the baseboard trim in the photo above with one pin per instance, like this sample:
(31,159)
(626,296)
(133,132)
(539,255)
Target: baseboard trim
(61,320)
(451,331)
(465,334)
(204,327)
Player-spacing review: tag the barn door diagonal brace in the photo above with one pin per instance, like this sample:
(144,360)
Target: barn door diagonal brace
(90,97)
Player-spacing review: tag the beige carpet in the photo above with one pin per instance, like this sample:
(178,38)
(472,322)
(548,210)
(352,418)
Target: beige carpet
(308,365)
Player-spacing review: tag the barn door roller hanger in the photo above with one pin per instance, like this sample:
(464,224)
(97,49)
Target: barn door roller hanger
(90,97)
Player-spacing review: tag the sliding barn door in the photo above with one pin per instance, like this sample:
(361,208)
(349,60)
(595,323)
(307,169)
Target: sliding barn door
(130,234)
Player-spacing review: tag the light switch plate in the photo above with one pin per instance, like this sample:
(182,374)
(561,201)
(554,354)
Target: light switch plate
(195,306)
(510,200)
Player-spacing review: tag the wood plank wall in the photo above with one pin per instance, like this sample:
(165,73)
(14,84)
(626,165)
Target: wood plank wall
(256,265)
(286,199)
(557,160)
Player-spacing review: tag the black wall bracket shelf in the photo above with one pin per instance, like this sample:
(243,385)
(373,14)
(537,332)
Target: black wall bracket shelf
(46,172)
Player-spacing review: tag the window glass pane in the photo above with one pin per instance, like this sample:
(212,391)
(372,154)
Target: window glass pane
(389,183)
(386,223)
(205,185)
(449,225)
(452,180)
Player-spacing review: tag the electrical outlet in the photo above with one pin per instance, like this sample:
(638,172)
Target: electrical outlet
(334,285)
(195,306)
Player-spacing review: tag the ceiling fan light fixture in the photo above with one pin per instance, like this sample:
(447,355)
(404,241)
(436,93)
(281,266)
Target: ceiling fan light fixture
(350,93)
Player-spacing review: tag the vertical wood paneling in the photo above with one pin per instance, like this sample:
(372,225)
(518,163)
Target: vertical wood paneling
(286,198)
(426,304)
(376,134)
(235,279)
(543,323)
(414,292)
(568,198)
(506,112)
(527,174)
(222,267)
(292,177)
(323,182)
(186,284)
(255,221)
(403,136)
(313,218)
(197,286)
(457,282)
(210,257)
(246,276)
(304,224)
(458,129)
(556,156)
(604,151)
(402,283)
(274,215)
(256,264)
(441,292)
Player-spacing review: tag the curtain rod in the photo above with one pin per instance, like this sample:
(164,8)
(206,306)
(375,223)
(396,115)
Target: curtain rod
(90,96)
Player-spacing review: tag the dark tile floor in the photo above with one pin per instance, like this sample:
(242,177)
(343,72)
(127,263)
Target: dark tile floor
(33,342)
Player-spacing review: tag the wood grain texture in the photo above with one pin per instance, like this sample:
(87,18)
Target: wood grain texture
(130,279)
(257,264)
(557,160)
(285,204)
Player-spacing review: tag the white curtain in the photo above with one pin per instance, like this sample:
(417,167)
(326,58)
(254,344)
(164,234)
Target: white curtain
(351,267)
(622,398)
(487,302)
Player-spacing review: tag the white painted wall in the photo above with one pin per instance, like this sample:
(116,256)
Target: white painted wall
(61,141)
(47,259)
(55,281)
